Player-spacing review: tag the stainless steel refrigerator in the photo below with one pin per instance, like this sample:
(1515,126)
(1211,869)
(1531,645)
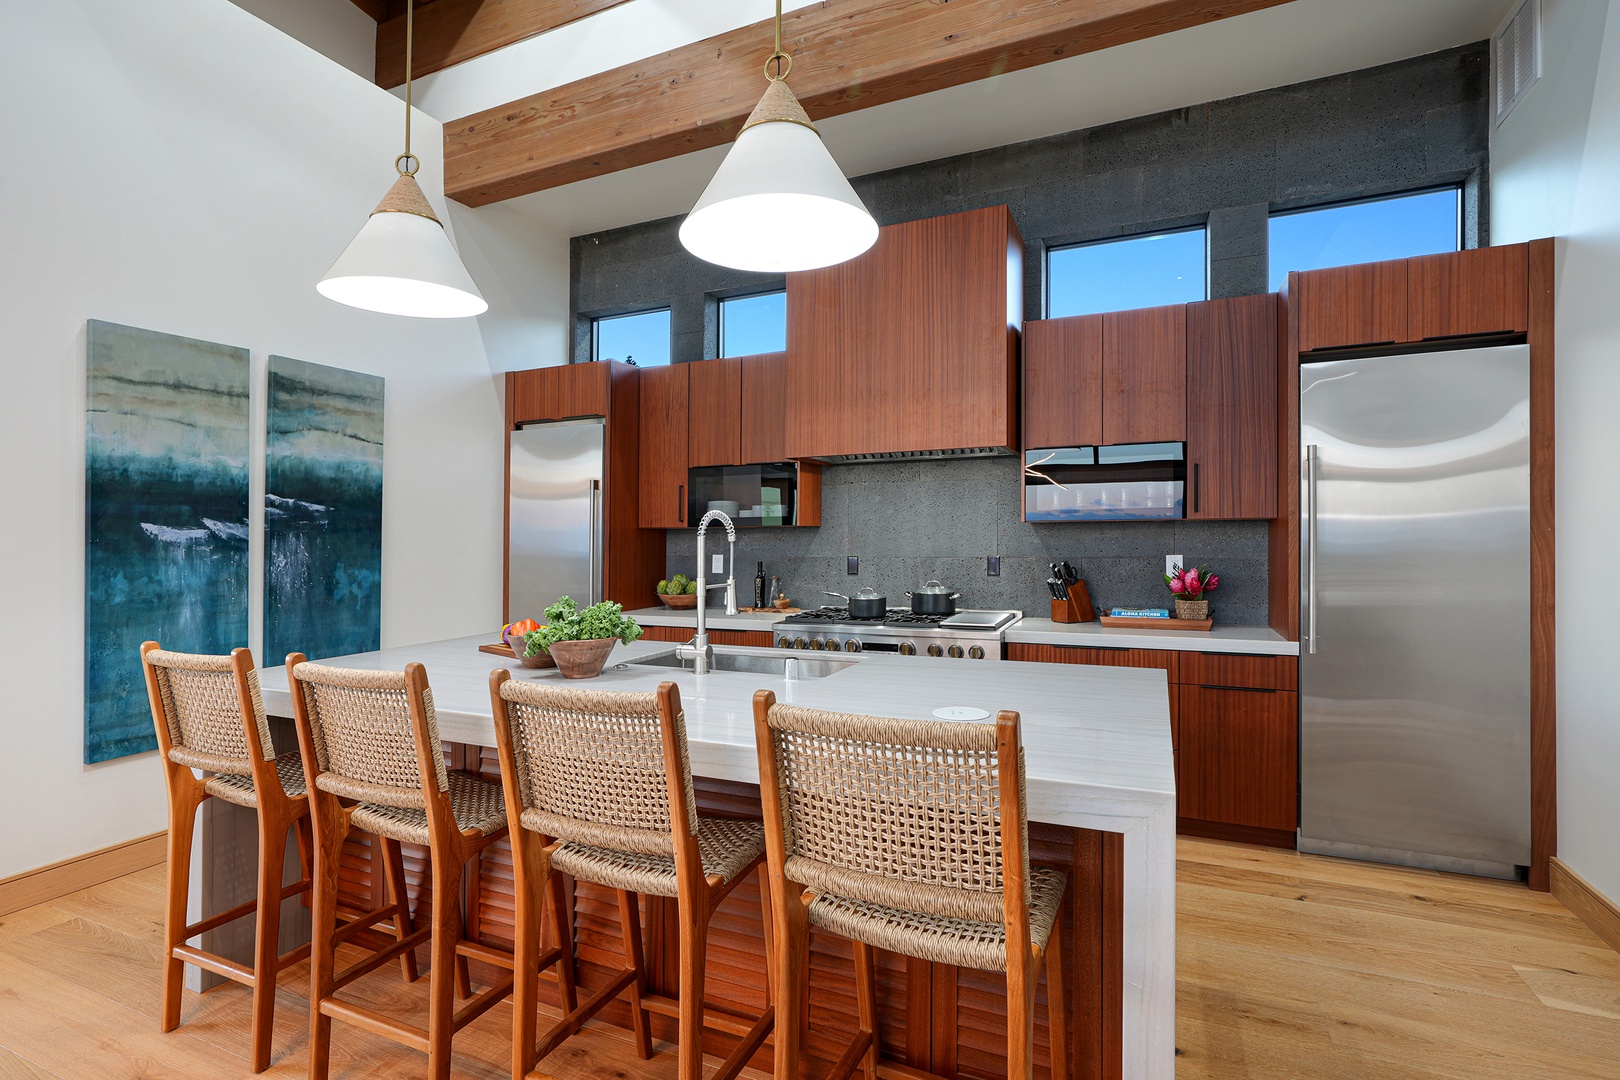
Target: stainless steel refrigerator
(1415,609)
(554,520)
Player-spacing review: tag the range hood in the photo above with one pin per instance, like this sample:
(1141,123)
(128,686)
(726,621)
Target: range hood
(917,455)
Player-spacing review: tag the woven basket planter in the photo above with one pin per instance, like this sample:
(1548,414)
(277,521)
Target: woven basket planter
(582,659)
(1192,609)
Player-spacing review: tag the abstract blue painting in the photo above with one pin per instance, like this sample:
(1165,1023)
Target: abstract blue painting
(166,502)
(322,511)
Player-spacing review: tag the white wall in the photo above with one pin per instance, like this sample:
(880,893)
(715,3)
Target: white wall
(1555,169)
(182,166)
(336,29)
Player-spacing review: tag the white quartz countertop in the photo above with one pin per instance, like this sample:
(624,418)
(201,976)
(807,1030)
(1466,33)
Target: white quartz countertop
(1256,640)
(1099,733)
(663,616)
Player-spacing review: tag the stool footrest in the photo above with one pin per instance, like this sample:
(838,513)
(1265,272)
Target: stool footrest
(750,1043)
(570,1024)
(214,922)
(717,1016)
(477,950)
(217,964)
(379,958)
(851,1059)
(361,1017)
(481,1004)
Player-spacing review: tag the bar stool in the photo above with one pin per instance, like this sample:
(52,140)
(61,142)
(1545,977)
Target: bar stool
(599,786)
(209,716)
(371,750)
(910,836)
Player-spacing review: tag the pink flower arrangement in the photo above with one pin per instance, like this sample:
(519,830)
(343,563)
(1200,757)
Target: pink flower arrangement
(1191,584)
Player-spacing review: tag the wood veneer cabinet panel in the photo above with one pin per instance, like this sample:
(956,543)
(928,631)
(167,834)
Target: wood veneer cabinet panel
(1479,291)
(558,393)
(664,394)
(1145,375)
(1239,757)
(1232,408)
(911,346)
(1164,659)
(1233,669)
(714,405)
(757,638)
(1350,305)
(1063,382)
(763,435)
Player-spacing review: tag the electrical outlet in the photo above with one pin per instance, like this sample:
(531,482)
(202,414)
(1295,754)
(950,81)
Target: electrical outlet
(1172,563)
(717,563)
(992,565)
(852,565)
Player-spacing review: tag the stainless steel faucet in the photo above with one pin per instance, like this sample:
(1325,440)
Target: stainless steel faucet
(699,650)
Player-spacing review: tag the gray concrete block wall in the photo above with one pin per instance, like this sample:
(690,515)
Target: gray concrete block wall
(1417,123)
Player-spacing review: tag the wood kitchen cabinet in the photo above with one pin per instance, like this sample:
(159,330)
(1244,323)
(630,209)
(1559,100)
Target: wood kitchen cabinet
(1145,375)
(715,413)
(664,436)
(763,431)
(564,392)
(1478,291)
(1063,382)
(911,346)
(1232,408)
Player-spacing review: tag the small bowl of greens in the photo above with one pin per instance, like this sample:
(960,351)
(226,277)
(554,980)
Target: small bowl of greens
(679,591)
(580,639)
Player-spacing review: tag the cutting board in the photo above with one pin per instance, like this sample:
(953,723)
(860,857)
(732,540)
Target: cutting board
(499,649)
(1119,623)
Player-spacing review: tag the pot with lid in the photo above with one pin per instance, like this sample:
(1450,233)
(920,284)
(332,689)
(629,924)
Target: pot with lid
(866,604)
(933,599)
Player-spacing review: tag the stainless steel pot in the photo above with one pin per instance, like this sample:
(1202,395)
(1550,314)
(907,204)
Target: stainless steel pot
(866,604)
(933,599)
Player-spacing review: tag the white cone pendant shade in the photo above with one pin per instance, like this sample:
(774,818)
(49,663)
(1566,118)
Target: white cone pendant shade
(779,202)
(402,263)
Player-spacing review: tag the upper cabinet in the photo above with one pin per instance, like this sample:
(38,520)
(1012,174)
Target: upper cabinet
(664,397)
(762,435)
(1458,294)
(1232,408)
(565,392)
(1090,380)
(910,347)
(715,414)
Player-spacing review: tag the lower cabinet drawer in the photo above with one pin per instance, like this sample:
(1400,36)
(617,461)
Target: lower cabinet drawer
(1238,756)
(716,637)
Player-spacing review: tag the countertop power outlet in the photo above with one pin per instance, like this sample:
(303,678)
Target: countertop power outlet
(1171,562)
(717,564)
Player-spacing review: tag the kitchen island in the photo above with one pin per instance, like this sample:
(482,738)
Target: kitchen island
(1101,795)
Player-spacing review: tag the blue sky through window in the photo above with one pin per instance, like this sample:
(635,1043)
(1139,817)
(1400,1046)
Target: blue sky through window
(1135,272)
(1394,228)
(644,336)
(753,324)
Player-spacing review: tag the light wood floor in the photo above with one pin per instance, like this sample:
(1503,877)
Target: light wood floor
(1290,966)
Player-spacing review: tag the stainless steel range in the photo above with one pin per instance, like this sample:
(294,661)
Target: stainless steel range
(969,635)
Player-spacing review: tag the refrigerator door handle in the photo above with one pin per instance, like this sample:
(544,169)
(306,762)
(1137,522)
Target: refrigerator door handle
(593,551)
(1310,547)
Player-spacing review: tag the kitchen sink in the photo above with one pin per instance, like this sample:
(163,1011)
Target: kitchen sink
(756,663)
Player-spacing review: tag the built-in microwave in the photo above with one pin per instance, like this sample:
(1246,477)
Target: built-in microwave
(1122,482)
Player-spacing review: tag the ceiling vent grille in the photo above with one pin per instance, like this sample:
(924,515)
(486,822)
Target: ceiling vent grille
(1518,57)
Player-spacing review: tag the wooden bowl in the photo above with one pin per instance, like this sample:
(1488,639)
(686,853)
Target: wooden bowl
(541,659)
(582,659)
(682,602)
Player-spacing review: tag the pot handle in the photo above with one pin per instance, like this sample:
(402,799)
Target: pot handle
(840,595)
(955,596)
(933,581)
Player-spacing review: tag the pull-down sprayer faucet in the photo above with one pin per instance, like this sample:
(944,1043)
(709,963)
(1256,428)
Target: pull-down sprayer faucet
(699,649)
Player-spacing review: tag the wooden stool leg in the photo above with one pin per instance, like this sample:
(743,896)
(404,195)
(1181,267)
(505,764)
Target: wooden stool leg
(1021,981)
(630,924)
(400,896)
(768,924)
(267,935)
(323,916)
(442,977)
(1057,1002)
(182,821)
(866,1003)
(693,915)
(793,966)
(304,838)
(529,898)
(564,930)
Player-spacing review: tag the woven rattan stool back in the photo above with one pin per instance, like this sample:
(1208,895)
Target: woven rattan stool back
(590,766)
(904,813)
(365,735)
(203,712)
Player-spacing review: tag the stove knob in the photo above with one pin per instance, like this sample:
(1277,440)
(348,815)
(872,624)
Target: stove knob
(833,645)
(907,649)
(800,643)
(976,652)
(784,643)
(956,652)
(852,645)
(817,644)
(936,650)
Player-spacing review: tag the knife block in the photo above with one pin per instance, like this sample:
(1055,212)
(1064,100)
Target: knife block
(1077,608)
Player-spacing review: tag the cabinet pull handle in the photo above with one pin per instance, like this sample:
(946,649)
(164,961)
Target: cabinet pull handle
(680,504)
(1310,547)
(1197,488)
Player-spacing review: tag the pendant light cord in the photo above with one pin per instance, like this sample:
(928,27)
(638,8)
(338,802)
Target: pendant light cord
(407,163)
(783,62)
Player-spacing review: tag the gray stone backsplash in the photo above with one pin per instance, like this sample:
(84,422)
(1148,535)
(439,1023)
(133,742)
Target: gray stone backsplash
(912,521)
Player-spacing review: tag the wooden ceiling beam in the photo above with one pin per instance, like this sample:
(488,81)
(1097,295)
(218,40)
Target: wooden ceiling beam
(847,55)
(450,31)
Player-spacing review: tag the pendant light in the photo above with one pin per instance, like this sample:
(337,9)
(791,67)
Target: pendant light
(402,262)
(779,201)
